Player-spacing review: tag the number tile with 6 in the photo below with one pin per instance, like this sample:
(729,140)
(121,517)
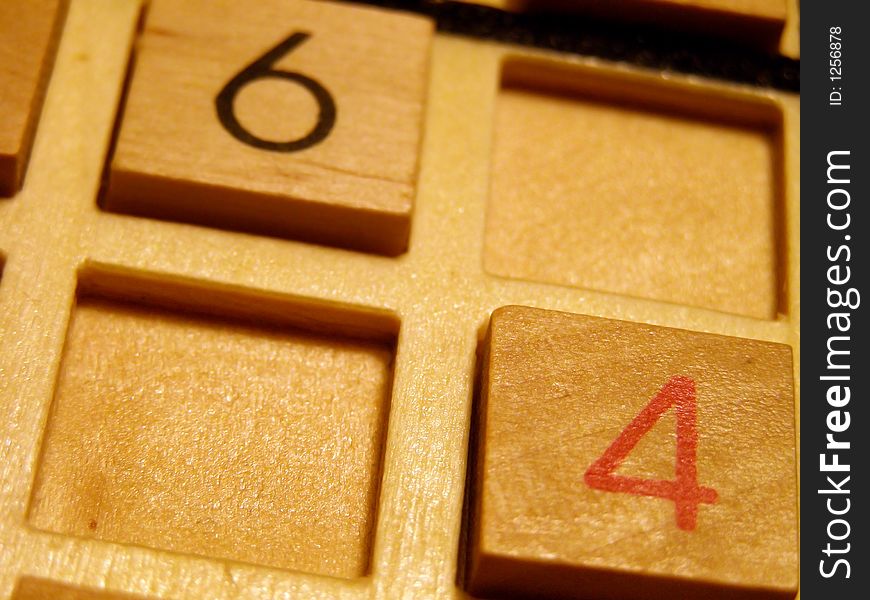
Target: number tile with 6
(298,119)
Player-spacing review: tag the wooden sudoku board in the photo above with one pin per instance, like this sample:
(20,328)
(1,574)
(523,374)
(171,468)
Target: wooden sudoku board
(202,406)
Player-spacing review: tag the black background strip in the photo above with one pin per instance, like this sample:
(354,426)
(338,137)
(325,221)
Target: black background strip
(826,128)
(640,45)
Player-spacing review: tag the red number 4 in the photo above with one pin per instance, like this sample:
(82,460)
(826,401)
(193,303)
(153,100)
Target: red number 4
(684,490)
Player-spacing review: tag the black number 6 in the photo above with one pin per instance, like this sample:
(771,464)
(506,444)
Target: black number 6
(262,68)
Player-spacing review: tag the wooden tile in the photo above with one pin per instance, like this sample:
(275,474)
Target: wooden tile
(760,22)
(320,142)
(621,460)
(29,32)
(215,438)
(635,197)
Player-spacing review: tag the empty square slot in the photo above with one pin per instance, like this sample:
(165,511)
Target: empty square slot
(231,437)
(636,188)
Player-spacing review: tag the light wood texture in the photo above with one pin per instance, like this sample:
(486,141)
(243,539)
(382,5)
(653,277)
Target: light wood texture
(53,236)
(556,391)
(768,24)
(30,588)
(215,438)
(628,194)
(29,30)
(355,188)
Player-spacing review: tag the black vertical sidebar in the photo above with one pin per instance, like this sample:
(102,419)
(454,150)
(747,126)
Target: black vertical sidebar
(834,366)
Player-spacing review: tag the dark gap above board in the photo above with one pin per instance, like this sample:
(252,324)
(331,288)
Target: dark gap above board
(642,45)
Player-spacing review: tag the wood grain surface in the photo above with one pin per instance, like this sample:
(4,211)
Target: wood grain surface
(432,303)
(623,196)
(558,390)
(215,438)
(29,32)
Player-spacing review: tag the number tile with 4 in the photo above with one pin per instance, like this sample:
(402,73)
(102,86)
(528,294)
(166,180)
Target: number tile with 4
(623,460)
(290,118)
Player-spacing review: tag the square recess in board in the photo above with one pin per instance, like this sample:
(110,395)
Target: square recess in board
(642,189)
(205,422)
